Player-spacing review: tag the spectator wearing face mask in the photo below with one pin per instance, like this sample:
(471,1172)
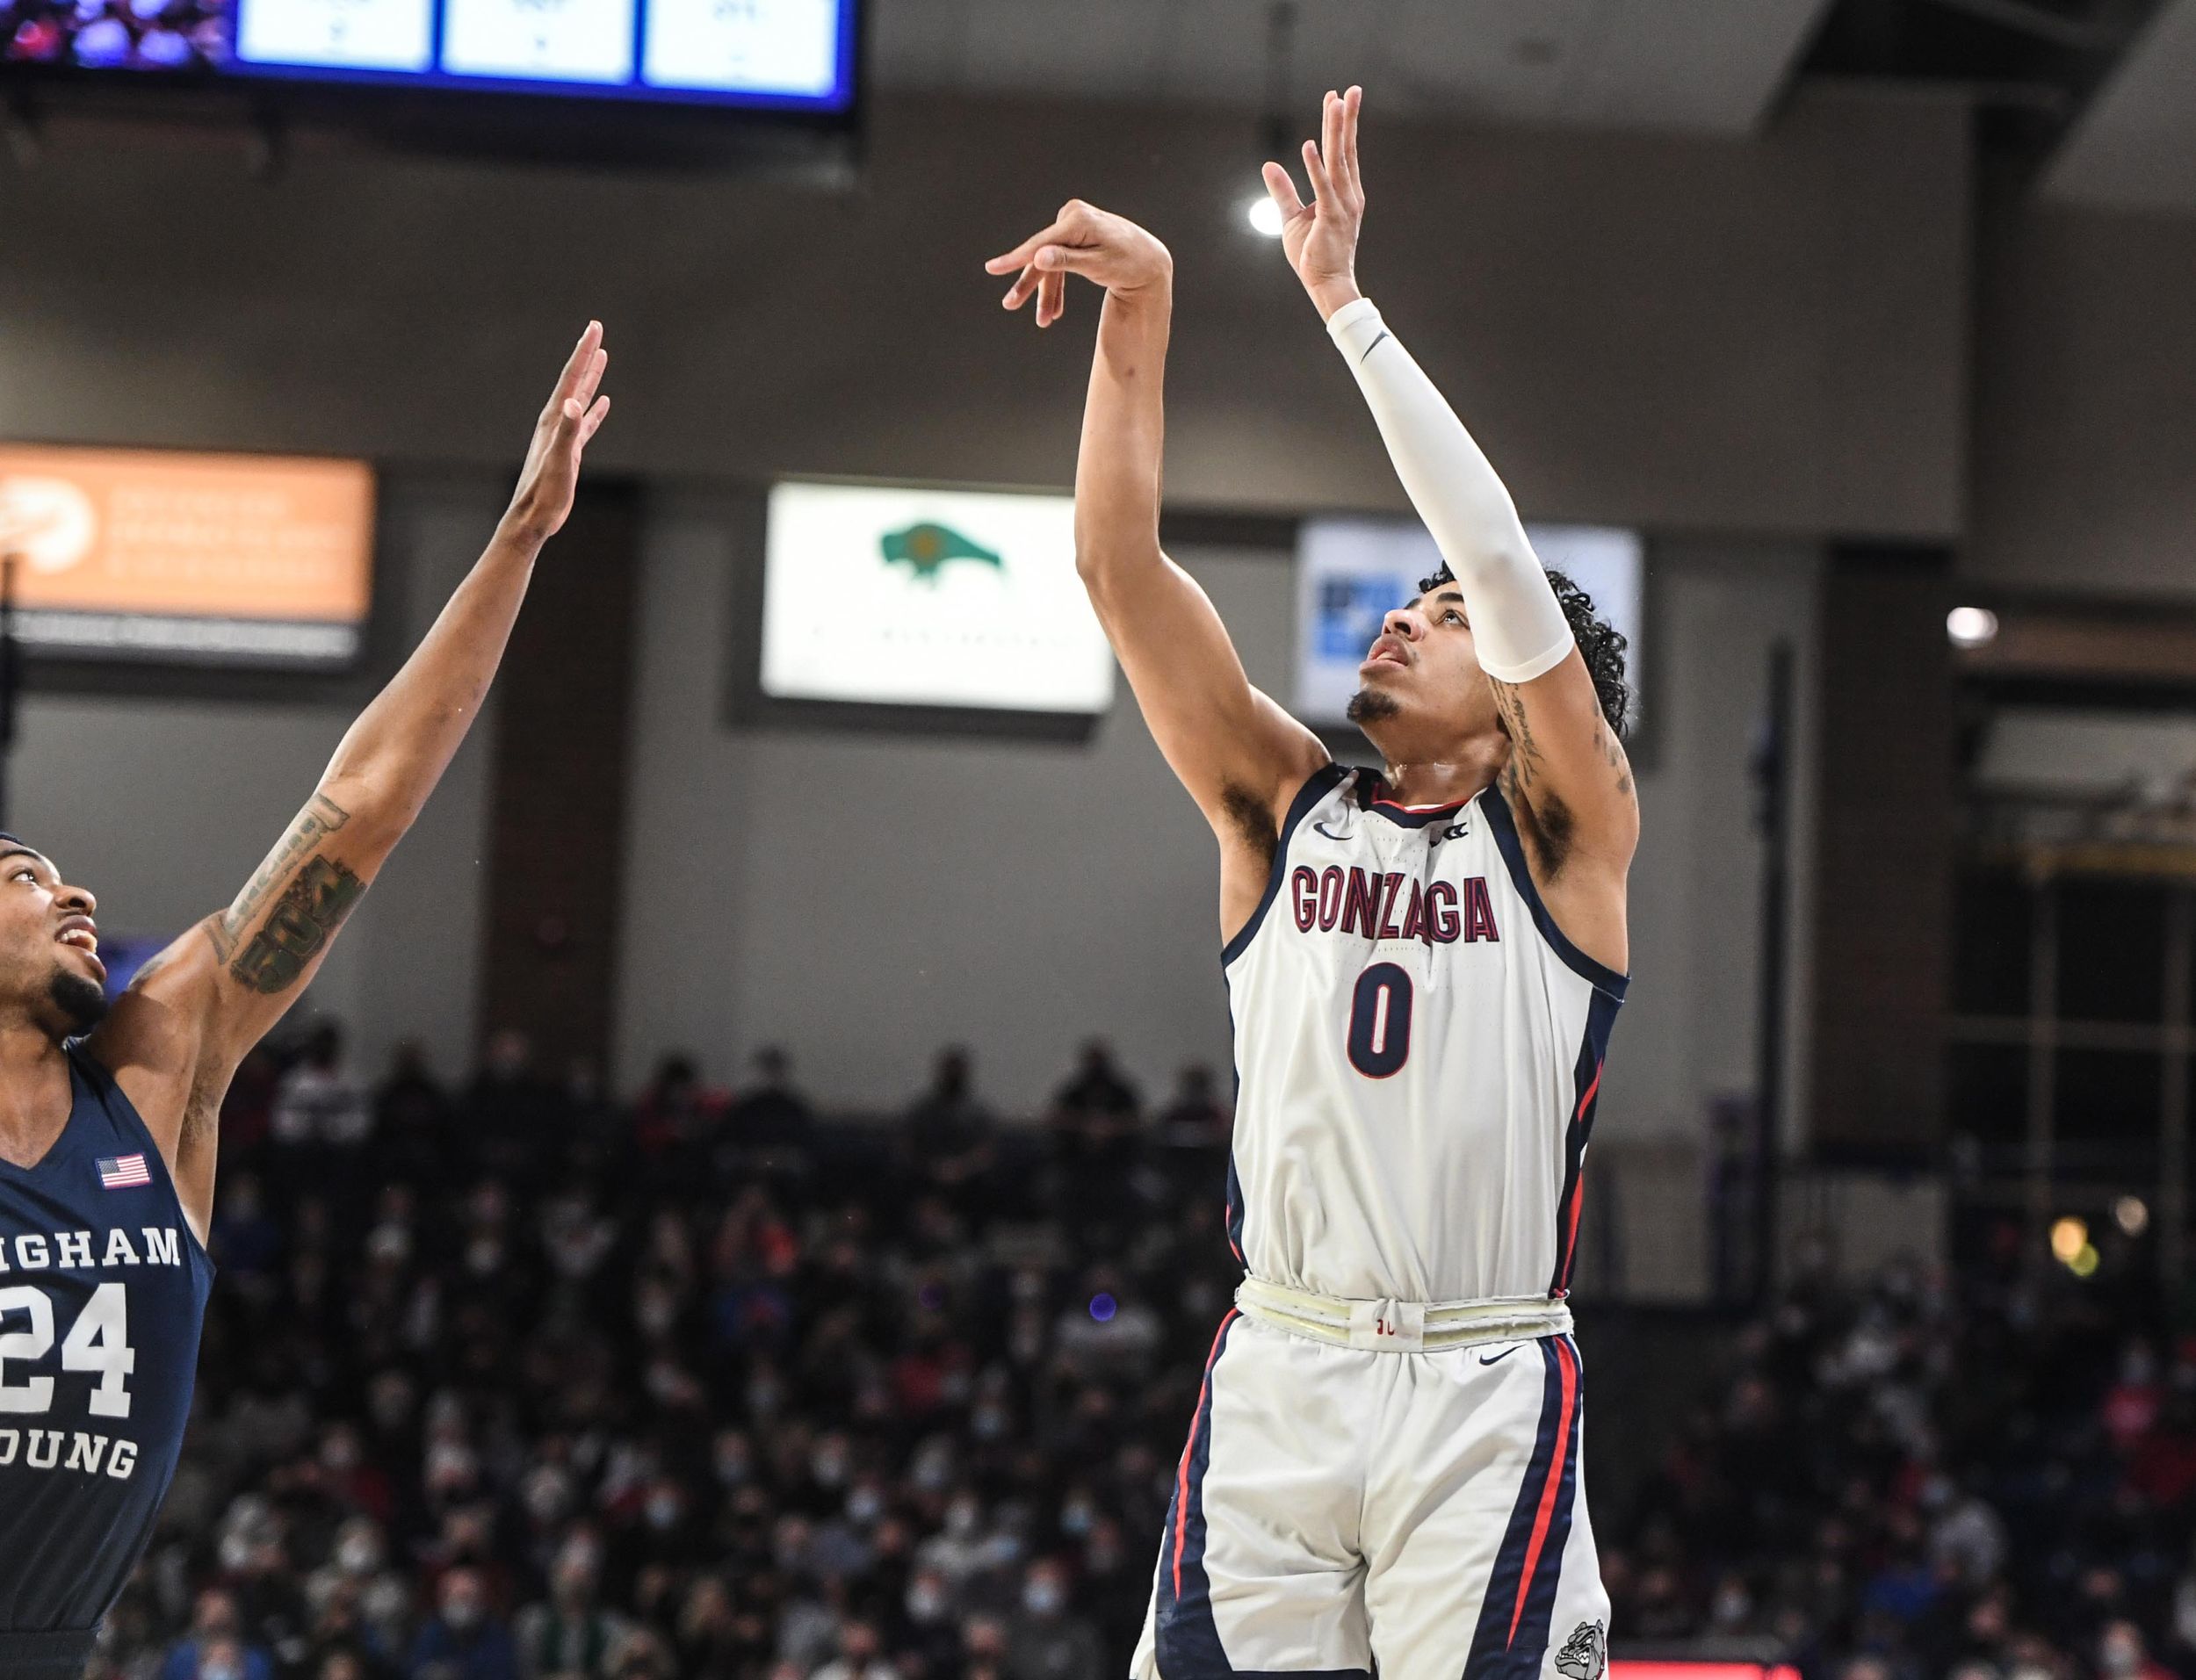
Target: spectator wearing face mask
(463,1642)
(223,1658)
(320,1117)
(343,1663)
(927,1628)
(1047,1641)
(860,1656)
(1116,1579)
(2122,1654)
(984,1638)
(213,1649)
(642,1655)
(964,1551)
(569,1636)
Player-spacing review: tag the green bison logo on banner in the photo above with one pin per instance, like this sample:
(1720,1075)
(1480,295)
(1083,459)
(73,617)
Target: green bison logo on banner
(925,549)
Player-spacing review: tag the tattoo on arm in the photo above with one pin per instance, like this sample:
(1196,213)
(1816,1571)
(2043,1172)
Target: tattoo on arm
(321,817)
(1613,750)
(1525,754)
(298,926)
(1526,763)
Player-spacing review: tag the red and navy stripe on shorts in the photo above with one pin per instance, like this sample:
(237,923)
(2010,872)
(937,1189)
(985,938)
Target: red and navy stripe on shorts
(1189,1640)
(1511,1637)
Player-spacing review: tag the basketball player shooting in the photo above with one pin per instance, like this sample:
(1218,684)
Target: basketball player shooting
(1423,965)
(108,1116)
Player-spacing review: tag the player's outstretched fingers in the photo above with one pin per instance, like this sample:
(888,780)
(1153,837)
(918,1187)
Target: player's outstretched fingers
(1353,102)
(593,423)
(1058,260)
(1052,298)
(1025,253)
(590,378)
(1322,187)
(1282,187)
(574,367)
(1024,289)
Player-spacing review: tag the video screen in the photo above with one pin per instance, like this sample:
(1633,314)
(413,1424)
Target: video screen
(1352,572)
(208,560)
(907,596)
(793,54)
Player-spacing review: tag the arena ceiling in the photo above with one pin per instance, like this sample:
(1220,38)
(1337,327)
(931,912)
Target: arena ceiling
(2135,148)
(1711,65)
(2099,96)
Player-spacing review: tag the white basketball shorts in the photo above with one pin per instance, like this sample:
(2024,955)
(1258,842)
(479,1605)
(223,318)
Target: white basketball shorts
(1337,1507)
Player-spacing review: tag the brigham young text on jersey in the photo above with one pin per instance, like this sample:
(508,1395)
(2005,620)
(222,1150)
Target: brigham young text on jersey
(103,1286)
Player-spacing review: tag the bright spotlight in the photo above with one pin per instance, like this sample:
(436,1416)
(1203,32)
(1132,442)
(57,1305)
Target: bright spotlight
(1264,215)
(1971,626)
(2069,1237)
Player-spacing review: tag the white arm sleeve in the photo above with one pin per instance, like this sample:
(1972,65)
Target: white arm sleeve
(1520,630)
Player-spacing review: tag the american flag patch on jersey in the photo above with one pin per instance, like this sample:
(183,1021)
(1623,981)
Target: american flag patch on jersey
(123,1172)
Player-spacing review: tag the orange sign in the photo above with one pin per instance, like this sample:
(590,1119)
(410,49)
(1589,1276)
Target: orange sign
(197,535)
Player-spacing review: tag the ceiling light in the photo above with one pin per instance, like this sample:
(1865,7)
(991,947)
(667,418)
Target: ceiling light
(1971,626)
(1264,215)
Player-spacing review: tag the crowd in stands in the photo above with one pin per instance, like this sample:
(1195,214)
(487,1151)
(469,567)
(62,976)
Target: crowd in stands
(507,1382)
(504,1380)
(1991,1482)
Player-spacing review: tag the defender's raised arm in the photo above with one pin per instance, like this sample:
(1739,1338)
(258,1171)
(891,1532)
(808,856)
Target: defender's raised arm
(176,1037)
(1241,756)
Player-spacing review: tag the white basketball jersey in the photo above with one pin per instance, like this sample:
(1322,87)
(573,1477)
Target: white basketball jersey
(1419,1049)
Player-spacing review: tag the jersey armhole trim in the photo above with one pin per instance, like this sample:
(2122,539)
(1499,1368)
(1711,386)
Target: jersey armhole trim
(1504,827)
(1321,782)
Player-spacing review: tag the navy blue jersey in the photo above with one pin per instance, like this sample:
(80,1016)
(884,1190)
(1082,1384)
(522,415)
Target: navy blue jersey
(103,1291)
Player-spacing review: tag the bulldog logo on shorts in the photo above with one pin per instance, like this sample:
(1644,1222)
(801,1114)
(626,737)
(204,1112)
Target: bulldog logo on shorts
(1586,1653)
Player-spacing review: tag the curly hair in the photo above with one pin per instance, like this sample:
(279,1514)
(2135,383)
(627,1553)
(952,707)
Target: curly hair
(1600,643)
